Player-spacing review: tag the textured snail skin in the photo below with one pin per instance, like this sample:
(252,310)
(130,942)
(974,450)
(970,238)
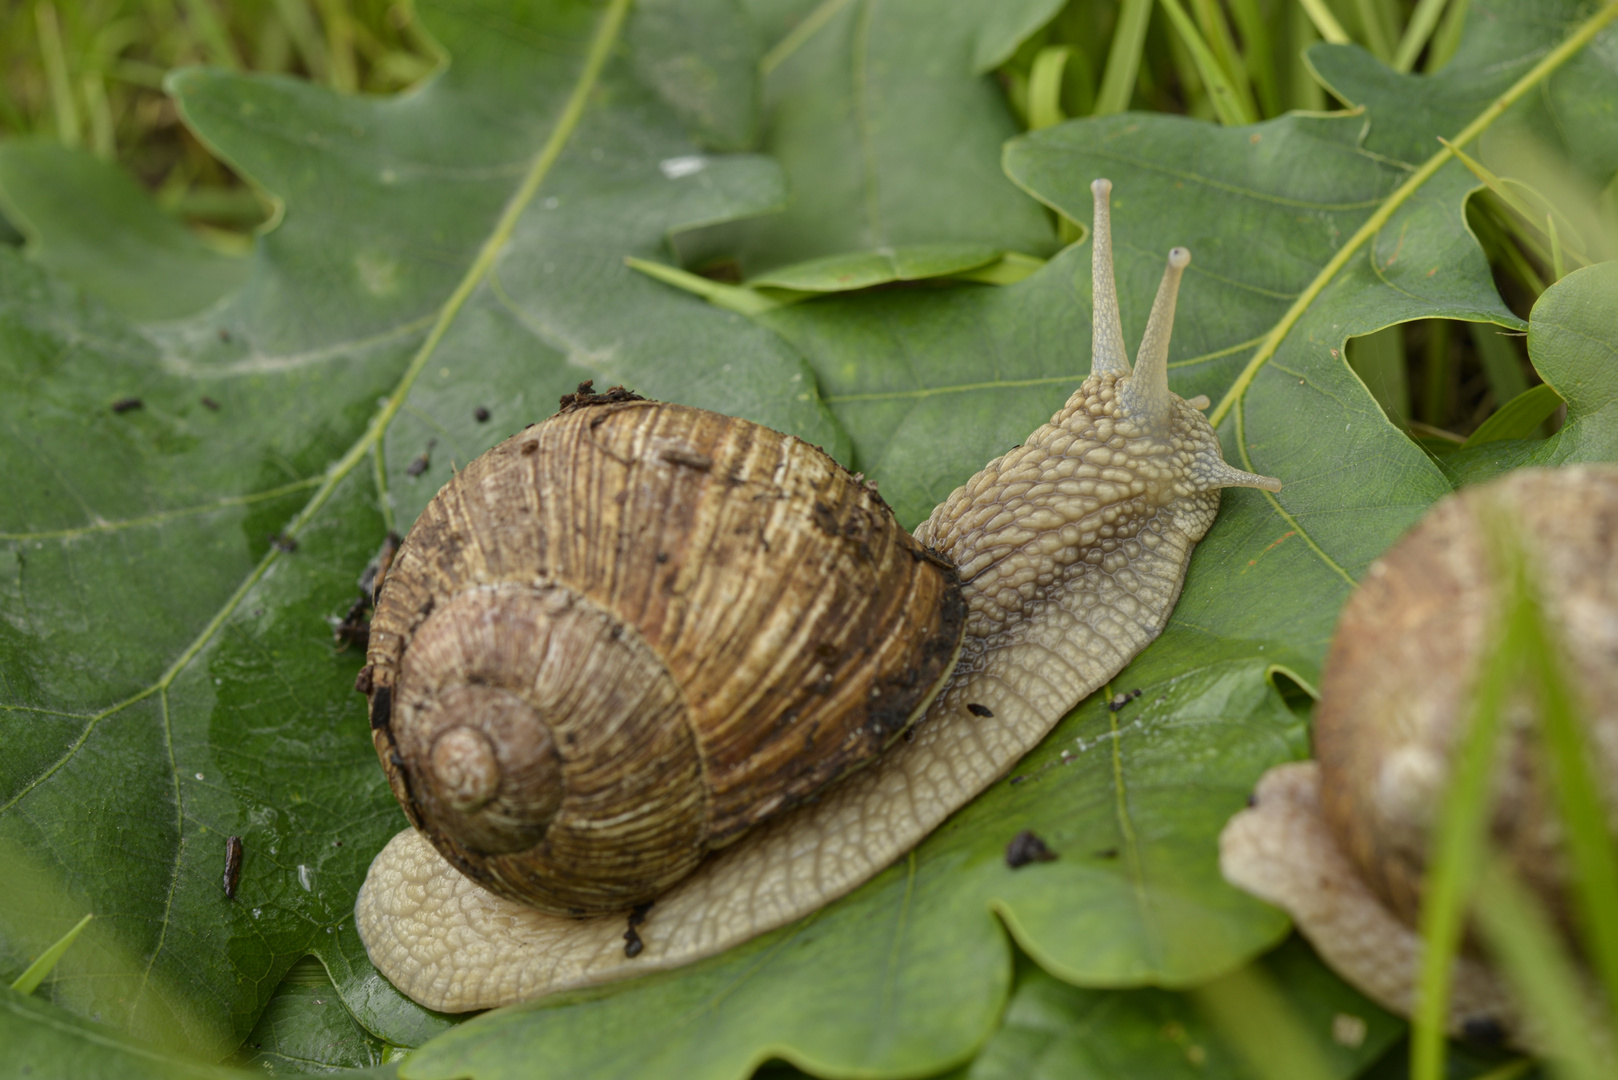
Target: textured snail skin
(1341,845)
(1281,851)
(1071,552)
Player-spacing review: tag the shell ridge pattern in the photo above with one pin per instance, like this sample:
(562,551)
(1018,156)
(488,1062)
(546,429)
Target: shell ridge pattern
(717,616)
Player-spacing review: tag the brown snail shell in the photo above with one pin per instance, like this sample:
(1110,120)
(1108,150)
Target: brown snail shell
(1342,843)
(628,634)
(1387,725)
(1072,550)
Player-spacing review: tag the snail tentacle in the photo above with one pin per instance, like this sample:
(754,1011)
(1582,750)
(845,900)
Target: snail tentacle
(1107,352)
(1146,396)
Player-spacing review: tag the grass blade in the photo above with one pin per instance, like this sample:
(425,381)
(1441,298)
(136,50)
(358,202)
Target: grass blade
(1518,418)
(1216,31)
(1228,105)
(737,298)
(101,123)
(1577,793)
(1374,21)
(1379,360)
(1458,843)
(1259,47)
(55,61)
(1423,21)
(1123,57)
(1045,86)
(1303,90)
(339,45)
(35,974)
(1325,21)
(1436,394)
(1502,189)
(221,52)
(1252,1014)
(300,27)
(1558,265)
(1500,361)
(1448,38)
(1525,945)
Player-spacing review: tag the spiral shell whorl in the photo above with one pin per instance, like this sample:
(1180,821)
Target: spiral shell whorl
(534,719)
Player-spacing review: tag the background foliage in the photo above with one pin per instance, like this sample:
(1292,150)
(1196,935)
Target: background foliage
(313,259)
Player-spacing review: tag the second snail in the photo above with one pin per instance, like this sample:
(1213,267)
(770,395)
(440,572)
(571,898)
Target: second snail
(642,654)
(1342,843)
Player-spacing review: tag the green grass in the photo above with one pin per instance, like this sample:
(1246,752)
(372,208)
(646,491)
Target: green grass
(90,73)
(1237,61)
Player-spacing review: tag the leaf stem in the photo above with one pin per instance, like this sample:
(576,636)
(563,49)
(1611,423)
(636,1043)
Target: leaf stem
(1551,61)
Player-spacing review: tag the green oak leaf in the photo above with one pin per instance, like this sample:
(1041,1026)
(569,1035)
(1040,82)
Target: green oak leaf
(1572,109)
(45,1040)
(306,1027)
(929,384)
(888,126)
(167,673)
(1573,343)
(1054,1031)
(90,223)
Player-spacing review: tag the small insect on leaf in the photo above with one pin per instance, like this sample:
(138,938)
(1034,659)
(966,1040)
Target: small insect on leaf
(1026,848)
(233,866)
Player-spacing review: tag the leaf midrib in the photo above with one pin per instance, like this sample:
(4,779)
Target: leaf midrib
(1371,227)
(1380,217)
(606,35)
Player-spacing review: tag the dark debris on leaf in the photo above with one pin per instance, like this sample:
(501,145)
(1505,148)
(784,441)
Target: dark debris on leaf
(585,397)
(1120,700)
(1027,848)
(422,460)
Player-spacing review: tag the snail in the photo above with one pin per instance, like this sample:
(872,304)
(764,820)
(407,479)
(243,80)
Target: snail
(803,690)
(1340,843)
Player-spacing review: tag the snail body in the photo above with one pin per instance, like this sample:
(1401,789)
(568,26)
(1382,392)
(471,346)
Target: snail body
(1341,843)
(716,571)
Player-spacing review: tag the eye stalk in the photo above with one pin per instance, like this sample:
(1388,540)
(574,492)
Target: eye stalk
(1144,397)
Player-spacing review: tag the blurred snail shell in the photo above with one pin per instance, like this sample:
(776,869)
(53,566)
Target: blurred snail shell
(1341,843)
(616,651)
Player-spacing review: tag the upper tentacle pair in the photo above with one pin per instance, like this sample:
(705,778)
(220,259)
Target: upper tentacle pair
(1146,398)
